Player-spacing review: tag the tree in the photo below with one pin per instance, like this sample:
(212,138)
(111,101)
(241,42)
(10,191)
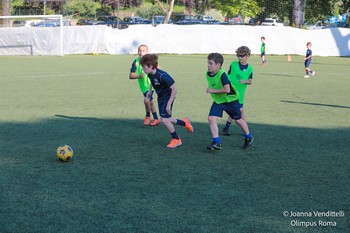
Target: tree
(5,10)
(86,8)
(167,11)
(231,8)
(299,12)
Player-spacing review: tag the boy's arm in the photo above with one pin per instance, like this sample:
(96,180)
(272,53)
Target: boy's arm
(249,81)
(225,89)
(225,83)
(133,75)
(171,99)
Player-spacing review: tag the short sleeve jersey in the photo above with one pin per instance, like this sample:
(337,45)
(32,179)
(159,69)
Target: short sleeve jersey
(218,81)
(262,47)
(161,82)
(308,53)
(144,82)
(236,72)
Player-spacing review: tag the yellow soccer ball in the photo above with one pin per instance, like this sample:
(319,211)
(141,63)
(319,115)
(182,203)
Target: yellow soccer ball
(64,153)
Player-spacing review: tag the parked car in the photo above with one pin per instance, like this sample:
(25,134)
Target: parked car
(235,20)
(272,22)
(317,25)
(253,21)
(205,19)
(184,19)
(25,23)
(133,20)
(52,23)
(159,19)
(112,21)
(87,22)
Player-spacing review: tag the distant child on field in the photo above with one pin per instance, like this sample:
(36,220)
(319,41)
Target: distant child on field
(165,87)
(225,97)
(308,58)
(263,50)
(240,75)
(144,84)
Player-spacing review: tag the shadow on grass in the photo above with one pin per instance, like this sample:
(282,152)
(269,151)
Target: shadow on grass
(123,178)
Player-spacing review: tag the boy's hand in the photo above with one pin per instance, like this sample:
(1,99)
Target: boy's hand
(149,94)
(168,109)
(209,90)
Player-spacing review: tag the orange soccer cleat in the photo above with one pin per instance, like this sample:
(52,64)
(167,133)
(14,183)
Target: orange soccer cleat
(188,125)
(155,122)
(174,143)
(147,121)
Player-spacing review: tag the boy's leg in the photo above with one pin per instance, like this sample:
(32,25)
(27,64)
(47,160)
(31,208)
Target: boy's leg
(155,120)
(169,124)
(226,129)
(147,103)
(248,138)
(214,130)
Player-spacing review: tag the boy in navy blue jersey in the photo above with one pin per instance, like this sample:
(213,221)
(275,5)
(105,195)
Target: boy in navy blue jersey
(165,87)
(225,97)
(307,63)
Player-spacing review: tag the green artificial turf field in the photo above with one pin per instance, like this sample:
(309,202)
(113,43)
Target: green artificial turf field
(122,178)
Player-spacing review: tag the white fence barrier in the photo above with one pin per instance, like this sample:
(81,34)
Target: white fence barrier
(173,39)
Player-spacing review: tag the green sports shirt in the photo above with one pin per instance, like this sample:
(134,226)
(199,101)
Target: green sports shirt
(263,47)
(236,75)
(144,83)
(216,83)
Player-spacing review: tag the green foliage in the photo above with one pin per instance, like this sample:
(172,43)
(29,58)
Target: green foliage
(238,7)
(147,12)
(85,8)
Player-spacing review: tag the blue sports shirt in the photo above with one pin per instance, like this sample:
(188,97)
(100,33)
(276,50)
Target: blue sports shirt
(161,82)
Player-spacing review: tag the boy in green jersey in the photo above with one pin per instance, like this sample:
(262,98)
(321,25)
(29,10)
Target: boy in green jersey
(225,97)
(263,50)
(144,84)
(240,75)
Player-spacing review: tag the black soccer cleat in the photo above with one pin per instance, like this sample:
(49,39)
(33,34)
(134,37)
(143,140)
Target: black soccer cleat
(248,143)
(226,131)
(214,146)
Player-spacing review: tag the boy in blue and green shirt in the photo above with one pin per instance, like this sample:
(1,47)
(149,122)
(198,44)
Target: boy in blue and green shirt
(241,75)
(144,84)
(226,98)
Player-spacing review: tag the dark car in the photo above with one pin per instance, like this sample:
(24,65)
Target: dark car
(184,19)
(112,21)
(87,22)
(159,19)
(133,20)
(235,20)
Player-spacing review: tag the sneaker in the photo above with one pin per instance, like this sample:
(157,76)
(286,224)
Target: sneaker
(226,131)
(306,76)
(248,143)
(214,146)
(313,73)
(188,125)
(155,122)
(174,143)
(147,121)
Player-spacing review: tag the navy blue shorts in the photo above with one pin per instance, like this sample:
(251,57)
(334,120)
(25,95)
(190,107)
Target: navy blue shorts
(151,96)
(307,63)
(262,54)
(231,108)
(162,108)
